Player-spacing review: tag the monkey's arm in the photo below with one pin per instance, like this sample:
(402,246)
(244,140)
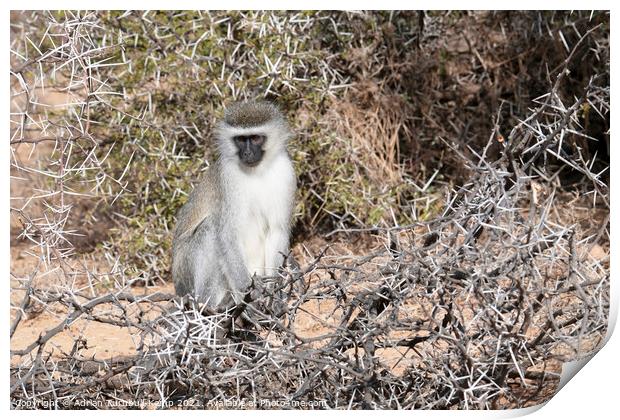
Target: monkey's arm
(277,240)
(276,248)
(233,264)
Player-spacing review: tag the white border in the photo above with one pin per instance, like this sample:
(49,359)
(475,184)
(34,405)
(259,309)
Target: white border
(593,394)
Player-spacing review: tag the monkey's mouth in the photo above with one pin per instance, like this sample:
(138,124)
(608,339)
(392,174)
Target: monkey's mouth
(251,164)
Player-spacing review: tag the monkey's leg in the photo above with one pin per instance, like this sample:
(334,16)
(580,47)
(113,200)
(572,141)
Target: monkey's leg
(202,268)
(182,269)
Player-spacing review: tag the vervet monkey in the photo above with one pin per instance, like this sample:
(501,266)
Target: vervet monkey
(236,222)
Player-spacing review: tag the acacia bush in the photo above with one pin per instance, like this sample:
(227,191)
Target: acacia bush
(370,96)
(470,144)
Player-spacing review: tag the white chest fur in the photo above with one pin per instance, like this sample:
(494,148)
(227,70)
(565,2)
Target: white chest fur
(262,211)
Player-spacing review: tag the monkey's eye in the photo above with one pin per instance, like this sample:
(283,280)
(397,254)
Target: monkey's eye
(257,140)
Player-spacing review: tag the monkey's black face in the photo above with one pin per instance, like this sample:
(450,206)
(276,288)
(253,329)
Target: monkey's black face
(250,148)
